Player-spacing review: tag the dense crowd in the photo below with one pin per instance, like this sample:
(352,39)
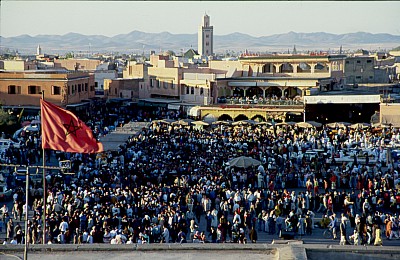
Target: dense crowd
(168,181)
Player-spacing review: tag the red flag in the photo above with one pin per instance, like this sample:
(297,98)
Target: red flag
(63,131)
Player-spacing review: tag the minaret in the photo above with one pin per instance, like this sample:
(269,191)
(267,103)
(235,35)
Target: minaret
(205,37)
(38,50)
(294,50)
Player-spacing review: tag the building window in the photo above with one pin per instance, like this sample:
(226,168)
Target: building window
(33,90)
(192,91)
(358,77)
(79,88)
(86,86)
(207,35)
(96,84)
(172,85)
(369,61)
(358,61)
(187,90)
(201,91)
(207,43)
(115,91)
(12,89)
(56,90)
(152,83)
(371,77)
(347,62)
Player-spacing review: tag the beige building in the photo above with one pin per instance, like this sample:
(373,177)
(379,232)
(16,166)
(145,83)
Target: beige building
(370,69)
(199,88)
(122,88)
(279,75)
(397,68)
(17,65)
(77,64)
(60,88)
(135,70)
(359,69)
(390,114)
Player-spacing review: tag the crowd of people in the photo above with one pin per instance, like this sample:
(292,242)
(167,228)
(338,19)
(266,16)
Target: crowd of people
(174,184)
(267,100)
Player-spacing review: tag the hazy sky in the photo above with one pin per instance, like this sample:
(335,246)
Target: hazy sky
(256,18)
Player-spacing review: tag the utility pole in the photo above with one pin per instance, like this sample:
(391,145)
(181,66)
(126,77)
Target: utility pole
(26,212)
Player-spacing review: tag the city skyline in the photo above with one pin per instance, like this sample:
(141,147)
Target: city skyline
(113,18)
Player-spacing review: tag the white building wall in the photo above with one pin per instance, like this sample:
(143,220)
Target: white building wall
(342,99)
(100,76)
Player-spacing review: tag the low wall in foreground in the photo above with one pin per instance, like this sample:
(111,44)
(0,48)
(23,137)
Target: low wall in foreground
(290,250)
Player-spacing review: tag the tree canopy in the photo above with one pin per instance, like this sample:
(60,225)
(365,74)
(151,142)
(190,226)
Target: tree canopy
(6,118)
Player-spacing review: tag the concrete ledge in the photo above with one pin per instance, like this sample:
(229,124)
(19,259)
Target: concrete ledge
(352,253)
(206,246)
(352,248)
(143,248)
(292,245)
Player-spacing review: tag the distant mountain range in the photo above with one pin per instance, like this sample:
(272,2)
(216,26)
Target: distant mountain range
(138,42)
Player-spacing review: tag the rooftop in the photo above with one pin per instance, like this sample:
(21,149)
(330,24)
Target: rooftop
(291,56)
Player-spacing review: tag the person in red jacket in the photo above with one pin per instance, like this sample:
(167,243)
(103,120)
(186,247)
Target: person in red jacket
(333,182)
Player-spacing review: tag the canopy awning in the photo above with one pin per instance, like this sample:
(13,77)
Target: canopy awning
(194,111)
(390,114)
(173,106)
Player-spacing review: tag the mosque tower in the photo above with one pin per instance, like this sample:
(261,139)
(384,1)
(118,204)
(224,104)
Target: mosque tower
(205,37)
(38,50)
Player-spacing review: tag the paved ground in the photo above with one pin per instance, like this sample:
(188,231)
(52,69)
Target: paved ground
(113,140)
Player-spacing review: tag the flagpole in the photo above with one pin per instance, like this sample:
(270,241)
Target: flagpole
(44,183)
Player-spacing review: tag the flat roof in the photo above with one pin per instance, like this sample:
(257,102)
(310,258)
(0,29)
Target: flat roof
(255,79)
(44,71)
(291,56)
(342,99)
